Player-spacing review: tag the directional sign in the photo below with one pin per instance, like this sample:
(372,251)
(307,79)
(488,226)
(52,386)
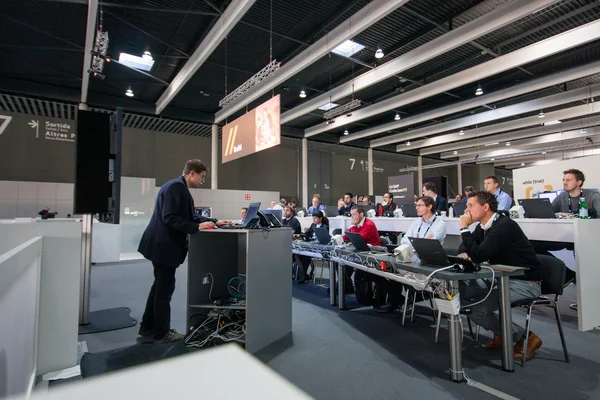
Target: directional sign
(4,121)
(36,125)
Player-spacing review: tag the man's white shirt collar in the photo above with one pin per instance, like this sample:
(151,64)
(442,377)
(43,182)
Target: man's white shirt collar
(359,225)
(488,224)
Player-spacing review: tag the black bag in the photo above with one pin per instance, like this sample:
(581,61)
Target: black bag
(367,291)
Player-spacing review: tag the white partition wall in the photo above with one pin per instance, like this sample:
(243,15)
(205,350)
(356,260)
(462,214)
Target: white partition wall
(26,199)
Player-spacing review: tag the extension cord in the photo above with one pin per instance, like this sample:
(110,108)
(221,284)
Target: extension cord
(450,307)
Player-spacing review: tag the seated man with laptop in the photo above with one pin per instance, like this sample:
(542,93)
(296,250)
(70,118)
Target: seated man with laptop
(320,223)
(429,225)
(499,240)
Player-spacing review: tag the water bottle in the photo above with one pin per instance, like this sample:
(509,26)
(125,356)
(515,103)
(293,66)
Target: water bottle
(583,208)
(451,212)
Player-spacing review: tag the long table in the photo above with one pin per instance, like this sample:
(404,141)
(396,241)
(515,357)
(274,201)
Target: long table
(583,233)
(339,258)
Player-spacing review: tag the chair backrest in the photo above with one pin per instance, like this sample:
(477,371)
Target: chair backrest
(553,274)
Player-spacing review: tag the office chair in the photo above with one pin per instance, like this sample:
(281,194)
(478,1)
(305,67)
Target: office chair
(553,278)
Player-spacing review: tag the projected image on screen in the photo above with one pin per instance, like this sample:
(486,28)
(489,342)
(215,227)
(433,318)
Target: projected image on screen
(254,131)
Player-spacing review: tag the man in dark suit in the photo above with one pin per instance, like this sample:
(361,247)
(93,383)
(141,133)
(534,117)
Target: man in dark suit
(164,242)
(441,204)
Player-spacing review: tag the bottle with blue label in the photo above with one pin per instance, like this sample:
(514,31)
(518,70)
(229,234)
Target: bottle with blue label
(583,209)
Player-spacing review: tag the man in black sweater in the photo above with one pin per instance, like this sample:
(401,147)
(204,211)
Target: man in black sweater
(499,240)
(290,220)
(348,204)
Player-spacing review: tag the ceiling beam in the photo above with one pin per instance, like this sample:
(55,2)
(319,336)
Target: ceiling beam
(220,30)
(90,34)
(517,90)
(361,20)
(526,143)
(561,42)
(494,115)
(573,112)
(138,8)
(483,25)
(460,146)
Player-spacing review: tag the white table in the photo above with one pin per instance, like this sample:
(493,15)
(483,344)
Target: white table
(584,234)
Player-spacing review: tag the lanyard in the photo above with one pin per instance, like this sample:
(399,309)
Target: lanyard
(429,227)
(578,201)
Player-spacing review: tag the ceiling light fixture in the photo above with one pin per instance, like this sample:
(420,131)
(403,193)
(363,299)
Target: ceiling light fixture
(508,143)
(397,117)
(302,94)
(522,164)
(543,152)
(129,92)
(143,63)
(584,131)
(491,144)
(479,91)
(379,53)
(541,114)
(492,159)
(147,55)
(408,143)
(346,133)
(461,132)
(554,122)
(455,152)
(331,121)
(348,115)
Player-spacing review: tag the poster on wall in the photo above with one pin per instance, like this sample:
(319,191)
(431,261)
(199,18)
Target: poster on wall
(528,182)
(254,131)
(402,188)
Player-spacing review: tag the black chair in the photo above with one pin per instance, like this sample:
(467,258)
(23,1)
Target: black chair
(553,278)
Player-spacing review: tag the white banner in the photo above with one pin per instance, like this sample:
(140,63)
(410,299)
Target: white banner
(527,182)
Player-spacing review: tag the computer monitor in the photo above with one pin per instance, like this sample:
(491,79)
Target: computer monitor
(409,210)
(251,214)
(537,208)
(550,195)
(276,213)
(458,208)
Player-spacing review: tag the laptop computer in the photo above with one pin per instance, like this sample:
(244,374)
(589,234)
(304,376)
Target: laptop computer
(250,220)
(458,208)
(409,210)
(323,235)
(358,242)
(431,252)
(537,208)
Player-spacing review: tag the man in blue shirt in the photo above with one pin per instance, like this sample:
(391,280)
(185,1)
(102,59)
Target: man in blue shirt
(468,191)
(491,185)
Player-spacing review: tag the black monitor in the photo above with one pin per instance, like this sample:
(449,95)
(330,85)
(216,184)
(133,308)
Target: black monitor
(252,214)
(276,213)
(458,208)
(409,210)
(537,208)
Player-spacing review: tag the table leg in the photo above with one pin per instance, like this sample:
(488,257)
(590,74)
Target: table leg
(332,288)
(341,287)
(455,332)
(508,363)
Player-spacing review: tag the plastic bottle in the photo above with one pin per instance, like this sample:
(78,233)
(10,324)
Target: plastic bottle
(583,209)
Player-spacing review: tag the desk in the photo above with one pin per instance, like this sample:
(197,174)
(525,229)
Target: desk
(322,252)
(583,233)
(452,278)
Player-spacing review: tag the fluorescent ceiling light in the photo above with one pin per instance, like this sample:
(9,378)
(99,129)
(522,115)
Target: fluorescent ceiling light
(143,63)
(328,106)
(555,122)
(348,48)
(491,144)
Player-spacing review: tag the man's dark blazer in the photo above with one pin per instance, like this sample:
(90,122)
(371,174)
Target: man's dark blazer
(165,239)
(441,204)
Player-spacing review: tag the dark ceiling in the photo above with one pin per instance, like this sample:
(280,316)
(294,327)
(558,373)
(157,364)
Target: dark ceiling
(42,45)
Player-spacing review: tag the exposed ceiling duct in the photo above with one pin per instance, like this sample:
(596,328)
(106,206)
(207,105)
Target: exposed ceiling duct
(556,44)
(364,18)
(497,18)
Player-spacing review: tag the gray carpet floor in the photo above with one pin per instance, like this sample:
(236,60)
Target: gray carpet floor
(359,354)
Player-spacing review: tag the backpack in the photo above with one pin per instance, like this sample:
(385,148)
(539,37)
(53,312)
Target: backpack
(367,292)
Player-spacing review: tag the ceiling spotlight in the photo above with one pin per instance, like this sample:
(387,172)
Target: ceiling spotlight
(492,159)
(541,114)
(455,152)
(397,117)
(522,164)
(331,121)
(508,143)
(346,132)
(479,91)
(348,115)
(147,56)
(408,143)
(543,152)
(107,59)
(302,94)
(461,132)
(379,53)
(584,130)
(129,92)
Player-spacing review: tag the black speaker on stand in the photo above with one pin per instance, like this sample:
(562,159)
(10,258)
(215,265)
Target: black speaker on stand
(96,195)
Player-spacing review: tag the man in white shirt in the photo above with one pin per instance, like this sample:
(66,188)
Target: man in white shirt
(428,225)
(281,205)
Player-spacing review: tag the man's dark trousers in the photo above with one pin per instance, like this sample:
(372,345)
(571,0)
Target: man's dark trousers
(157,316)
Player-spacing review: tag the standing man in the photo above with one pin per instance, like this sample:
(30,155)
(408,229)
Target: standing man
(441,204)
(348,204)
(491,185)
(164,242)
(568,201)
